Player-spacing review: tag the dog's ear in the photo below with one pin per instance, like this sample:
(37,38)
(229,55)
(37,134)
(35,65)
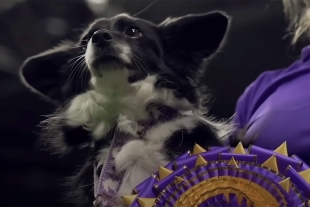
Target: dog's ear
(193,36)
(43,73)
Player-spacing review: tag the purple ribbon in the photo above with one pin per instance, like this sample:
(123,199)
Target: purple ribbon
(107,185)
(256,166)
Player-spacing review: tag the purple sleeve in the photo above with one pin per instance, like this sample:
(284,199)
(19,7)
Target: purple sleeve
(245,102)
(248,101)
(256,93)
(276,108)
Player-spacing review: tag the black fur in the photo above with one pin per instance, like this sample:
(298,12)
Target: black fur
(174,50)
(201,134)
(75,136)
(180,89)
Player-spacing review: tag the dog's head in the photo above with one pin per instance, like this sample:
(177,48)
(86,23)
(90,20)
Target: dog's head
(122,65)
(126,49)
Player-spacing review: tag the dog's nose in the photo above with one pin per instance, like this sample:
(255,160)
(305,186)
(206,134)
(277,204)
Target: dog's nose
(102,38)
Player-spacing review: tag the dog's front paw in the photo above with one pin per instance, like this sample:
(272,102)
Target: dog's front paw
(124,124)
(90,111)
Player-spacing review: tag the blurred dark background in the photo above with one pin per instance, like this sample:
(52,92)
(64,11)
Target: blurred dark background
(32,177)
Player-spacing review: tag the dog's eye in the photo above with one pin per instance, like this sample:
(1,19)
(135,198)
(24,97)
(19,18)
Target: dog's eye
(133,32)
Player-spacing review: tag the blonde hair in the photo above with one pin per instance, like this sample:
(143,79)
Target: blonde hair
(298,14)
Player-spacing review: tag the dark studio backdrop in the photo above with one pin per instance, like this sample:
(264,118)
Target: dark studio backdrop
(31,177)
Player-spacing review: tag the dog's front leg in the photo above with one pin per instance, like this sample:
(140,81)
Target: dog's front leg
(89,110)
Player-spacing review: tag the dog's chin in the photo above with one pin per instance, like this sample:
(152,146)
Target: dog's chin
(108,72)
(105,63)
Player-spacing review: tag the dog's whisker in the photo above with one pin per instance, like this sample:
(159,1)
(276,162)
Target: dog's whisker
(83,186)
(165,80)
(148,6)
(137,57)
(82,71)
(134,57)
(73,71)
(80,74)
(91,189)
(76,58)
(75,62)
(85,40)
(84,80)
(79,46)
(73,74)
(137,63)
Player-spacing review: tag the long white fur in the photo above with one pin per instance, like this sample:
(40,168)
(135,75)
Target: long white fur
(223,128)
(97,109)
(128,126)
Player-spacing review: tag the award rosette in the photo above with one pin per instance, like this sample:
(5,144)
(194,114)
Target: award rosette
(228,177)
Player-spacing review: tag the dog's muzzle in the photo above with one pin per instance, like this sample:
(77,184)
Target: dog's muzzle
(102,38)
(107,49)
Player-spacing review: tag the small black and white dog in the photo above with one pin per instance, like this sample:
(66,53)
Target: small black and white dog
(122,72)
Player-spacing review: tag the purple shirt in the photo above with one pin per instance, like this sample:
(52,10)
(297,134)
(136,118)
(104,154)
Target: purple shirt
(276,107)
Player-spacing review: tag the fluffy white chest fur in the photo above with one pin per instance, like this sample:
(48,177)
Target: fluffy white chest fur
(114,101)
(113,98)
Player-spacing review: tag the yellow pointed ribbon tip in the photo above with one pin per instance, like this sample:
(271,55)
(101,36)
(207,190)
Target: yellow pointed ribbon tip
(200,161)
(239,149)
(146,202)
(128,200)
(163,172)
(239,198)
(233,162)
(249,203)
(198,149)
(305,175)
(226,194)
(272,163)
(286,184)
(178,180)
(282,149)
